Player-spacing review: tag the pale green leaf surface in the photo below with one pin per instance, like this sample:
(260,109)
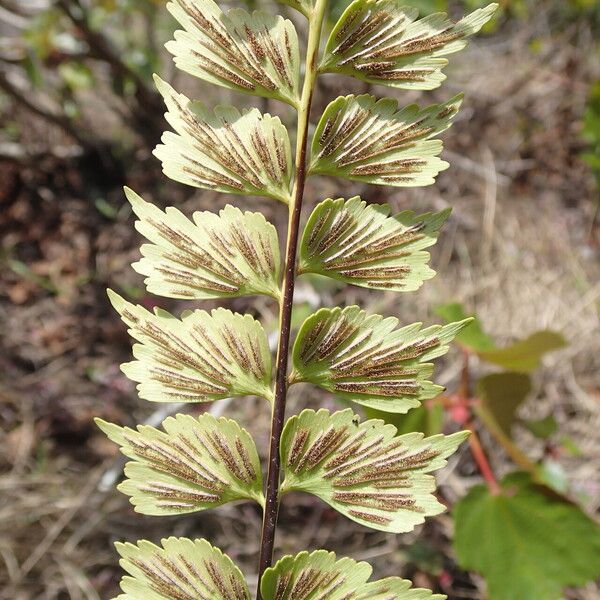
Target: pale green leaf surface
(320,576)
(525,355)
(501,394)
(525,543)
(256,53)
(215,256)
(179,569)
(224,150)
(382,41)
(194,464)
(201,357)
(365,139)
(367,359)
(364,470)
(363,245)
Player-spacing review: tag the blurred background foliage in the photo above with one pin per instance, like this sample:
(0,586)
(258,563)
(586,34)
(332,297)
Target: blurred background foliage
(79,118)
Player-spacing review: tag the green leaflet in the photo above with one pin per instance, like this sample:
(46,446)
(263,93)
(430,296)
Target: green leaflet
(215,256)
(543,428)
(196,463)
(382,41)
(254,53)
(428,419)
(363,470)
(525,355)
(224,150)
(320,576)
(522,356)
(198,358)
(501,394)
(361,244)
(364,358)
(182,569)
(525,543)
(365,139)
(473,335)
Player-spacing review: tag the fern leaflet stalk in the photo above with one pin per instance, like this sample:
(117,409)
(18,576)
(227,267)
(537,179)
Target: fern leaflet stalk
(285,319)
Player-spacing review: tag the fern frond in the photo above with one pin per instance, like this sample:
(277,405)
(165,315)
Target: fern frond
(321,575)
(255,53)
(366,359)
(199,358)
(179,569)
(383,42)
(224,150)
(365,139)
(362,470)
(215,256)
(363,245)
(195,464)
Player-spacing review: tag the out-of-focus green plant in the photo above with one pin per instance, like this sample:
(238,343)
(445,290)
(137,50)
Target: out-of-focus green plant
(77,60)
(533,531)
(591,131)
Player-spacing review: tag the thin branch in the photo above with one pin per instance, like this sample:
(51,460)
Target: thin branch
(515,453)
(89,143)
(19,153)
(23,100)
(281,378)
(148,99)
(482,461)
(479,456)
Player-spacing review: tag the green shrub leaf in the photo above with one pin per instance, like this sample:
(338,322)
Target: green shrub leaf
(201,357)
(364,358)
(224,150)
(526,355)
(523,356)
(542,428)
(381,41)
(254,53)
(215,256)
(472,336)
(525,543)
(361,244)
(181,568)
(426,419)
(196,463)
(501,394)
(365,139)
(321,576)
(363,470)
